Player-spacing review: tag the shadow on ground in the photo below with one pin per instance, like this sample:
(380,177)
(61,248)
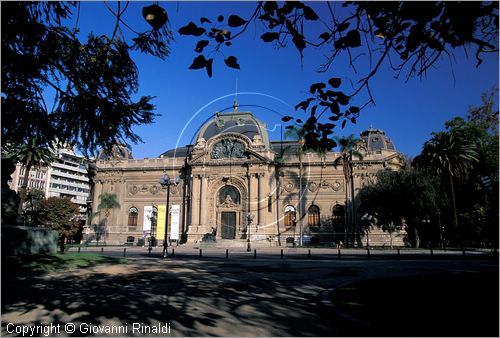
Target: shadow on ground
(444,304)
(223,298)
(204,299)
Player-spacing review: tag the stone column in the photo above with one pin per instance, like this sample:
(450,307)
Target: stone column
(254,199)
(203,201)
(195,202)
(260,203)
(249,197)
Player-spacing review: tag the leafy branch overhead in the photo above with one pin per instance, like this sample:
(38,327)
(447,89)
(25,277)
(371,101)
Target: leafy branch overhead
(93,79)
(411,37)
(219,34)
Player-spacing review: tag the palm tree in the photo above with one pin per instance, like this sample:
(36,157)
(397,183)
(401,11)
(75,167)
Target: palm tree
(450,158)
(32,154)
(91,169)
(348,151)
(296,133)
(107,201)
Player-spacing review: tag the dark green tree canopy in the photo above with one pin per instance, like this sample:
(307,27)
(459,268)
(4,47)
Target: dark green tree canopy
(90,83)
(61,215)
(466,157)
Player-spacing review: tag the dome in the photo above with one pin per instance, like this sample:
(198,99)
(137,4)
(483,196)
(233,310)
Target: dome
(118,151)
(243,123)
(376,140)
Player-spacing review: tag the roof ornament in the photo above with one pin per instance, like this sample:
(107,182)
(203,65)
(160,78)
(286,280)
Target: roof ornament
(235,105)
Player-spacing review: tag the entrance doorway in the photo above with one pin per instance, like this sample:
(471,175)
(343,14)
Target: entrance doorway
(228,224)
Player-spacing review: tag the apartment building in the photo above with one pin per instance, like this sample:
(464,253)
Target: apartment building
(65,177)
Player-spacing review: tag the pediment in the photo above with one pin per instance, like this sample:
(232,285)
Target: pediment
(228,148)
(204,158)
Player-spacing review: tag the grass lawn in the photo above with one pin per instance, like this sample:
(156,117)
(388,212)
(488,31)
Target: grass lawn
(458,304)
(46,263)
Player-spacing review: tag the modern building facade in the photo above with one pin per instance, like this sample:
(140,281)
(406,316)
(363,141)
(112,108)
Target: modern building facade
(65,177)
(236,185)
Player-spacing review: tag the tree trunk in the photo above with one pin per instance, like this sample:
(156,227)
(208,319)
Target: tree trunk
(301,207)
(61,243)
(22,190)
(417,238)
(454,207)
(353,207)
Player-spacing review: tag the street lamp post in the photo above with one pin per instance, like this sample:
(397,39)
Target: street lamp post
(166,182)
(152,235)
(249,221)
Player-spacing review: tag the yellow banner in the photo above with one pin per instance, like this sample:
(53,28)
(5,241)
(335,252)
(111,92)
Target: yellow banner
(160,227)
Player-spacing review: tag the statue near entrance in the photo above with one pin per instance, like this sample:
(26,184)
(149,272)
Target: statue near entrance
(228,202)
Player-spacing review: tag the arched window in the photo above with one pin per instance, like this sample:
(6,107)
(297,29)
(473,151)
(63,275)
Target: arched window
(132,217)
(228,193)
(338,215)
(313,216)
(290,216)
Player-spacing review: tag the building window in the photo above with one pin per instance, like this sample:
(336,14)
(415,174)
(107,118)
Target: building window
(132,217)
(290,216)
(338,215)
(228,194)
(313,216)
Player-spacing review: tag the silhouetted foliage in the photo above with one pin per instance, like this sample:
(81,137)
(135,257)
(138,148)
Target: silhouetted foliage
(91,82)
(31,152)
(465,156)
(410,36)
(410,194)
(33,206)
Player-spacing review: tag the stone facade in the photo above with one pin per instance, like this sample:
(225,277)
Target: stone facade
(236,184)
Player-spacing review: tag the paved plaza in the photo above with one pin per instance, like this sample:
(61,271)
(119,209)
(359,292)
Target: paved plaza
(242,295)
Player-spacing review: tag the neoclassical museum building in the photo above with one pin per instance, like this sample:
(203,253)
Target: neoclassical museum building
(234,184)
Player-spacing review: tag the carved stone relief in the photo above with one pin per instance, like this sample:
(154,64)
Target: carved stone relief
(147,189)
(289,186)
(312,186)
(228,148)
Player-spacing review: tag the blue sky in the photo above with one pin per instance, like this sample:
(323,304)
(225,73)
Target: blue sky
(277,80)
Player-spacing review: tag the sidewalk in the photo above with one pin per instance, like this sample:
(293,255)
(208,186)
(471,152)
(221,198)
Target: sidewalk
(215,296)
(195,251)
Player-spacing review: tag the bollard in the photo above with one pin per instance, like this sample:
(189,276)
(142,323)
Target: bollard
(339,254)
(463,252)
(124,252)
(79,249)
(200,253)
(255,253)
(102,251)
(368,252)
(398,254)
(432,252)
(173,252)
(281,253)
(309,254)
(227,253)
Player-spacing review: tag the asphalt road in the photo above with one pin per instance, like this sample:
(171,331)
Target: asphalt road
(215,296)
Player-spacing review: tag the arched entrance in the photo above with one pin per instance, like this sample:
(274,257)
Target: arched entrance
(228,212)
